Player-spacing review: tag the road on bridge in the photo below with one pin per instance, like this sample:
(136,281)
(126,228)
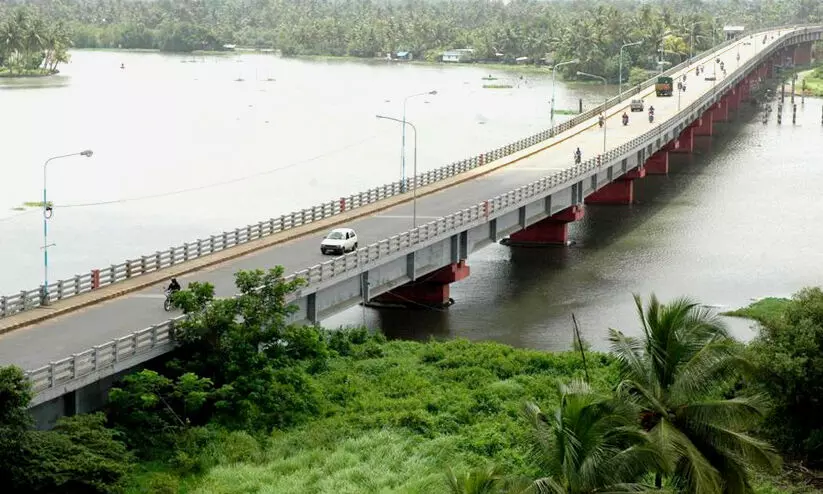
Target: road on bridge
(53,339)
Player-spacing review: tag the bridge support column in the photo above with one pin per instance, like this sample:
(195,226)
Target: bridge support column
(621,191)
(658,163)
(703,126)
(803,54)
(720,111)
(553,230)
(684,142)
(431,290)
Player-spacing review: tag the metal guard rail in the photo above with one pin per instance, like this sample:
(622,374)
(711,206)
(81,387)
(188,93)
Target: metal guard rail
(160,336)
(98,278)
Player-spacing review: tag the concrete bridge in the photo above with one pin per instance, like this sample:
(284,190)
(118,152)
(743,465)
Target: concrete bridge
(77,336)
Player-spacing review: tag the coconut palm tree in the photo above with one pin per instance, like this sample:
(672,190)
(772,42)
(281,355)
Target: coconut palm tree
(590,444)
(486,480)
(673,372)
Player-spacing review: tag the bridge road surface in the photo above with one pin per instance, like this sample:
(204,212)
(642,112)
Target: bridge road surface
(34,346)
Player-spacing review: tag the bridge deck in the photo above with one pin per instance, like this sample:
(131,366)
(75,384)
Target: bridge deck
(55,338)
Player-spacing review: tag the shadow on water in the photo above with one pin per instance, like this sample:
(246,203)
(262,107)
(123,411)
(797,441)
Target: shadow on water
(536,289)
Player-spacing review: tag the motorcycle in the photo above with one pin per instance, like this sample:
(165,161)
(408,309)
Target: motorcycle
(651,117)
(625,120)
(168,304)
(600,121)
(576,159)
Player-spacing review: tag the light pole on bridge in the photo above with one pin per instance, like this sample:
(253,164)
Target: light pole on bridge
(404,122)
(620,73)
(554,69)
(47,213)
(403,139)
(605,99)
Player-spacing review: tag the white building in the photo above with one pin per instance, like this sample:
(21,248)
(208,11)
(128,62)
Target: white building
(459,55)
(733,32)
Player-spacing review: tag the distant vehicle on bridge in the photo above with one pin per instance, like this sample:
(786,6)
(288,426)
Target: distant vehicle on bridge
(339,241)
(637,105)
(663,87)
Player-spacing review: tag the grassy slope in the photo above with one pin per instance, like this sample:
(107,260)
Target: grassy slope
(762,310)
(395,423)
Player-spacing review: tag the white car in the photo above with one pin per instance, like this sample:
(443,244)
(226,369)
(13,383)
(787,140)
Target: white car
(339,241)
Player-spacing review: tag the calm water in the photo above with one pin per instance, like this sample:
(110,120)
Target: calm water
(184,150)
(739,220)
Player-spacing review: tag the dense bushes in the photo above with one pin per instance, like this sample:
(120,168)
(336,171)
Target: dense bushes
(80,455)
(789,358)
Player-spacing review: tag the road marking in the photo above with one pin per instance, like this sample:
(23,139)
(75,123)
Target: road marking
(401,217)
(534,169)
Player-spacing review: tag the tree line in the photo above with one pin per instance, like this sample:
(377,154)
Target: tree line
(32,43)
(685,408)
(591,30)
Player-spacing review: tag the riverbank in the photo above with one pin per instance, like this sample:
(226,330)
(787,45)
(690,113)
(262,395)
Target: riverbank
(4,72)
(762,310)
(812,78)
(399,415)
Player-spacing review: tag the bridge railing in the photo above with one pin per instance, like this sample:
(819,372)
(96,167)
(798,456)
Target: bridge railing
(135,345)
(97,278)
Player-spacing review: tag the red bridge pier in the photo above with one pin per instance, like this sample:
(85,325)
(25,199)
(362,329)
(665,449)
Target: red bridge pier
(621,191)
(553,230)
(431,290)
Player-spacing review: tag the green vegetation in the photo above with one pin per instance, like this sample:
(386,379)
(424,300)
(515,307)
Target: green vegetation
(249,403)
(812,81)
(31,45)
(591,30)
(762,310)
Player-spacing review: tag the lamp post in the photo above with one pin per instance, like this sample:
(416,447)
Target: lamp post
(47,212)
(403,140)
(620,74)
(605,98)
(414,189)
(554,69)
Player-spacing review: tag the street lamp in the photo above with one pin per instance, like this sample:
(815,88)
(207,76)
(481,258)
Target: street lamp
(554,67)
(620,74)
(403,140)
(414,189)
(605,99)
(47,213)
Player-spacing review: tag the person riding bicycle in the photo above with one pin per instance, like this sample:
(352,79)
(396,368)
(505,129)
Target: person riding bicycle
(173,287)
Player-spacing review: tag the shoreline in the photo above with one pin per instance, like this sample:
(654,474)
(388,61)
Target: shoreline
(525,68)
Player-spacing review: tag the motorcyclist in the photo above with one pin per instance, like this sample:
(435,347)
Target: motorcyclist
(625,118)
(173,287)
(577,156)
(600,120)
(651,114)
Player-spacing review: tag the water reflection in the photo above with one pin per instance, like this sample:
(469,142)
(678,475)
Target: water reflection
(736,220)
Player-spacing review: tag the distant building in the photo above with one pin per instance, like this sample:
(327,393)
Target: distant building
(460,55)
(733,32)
